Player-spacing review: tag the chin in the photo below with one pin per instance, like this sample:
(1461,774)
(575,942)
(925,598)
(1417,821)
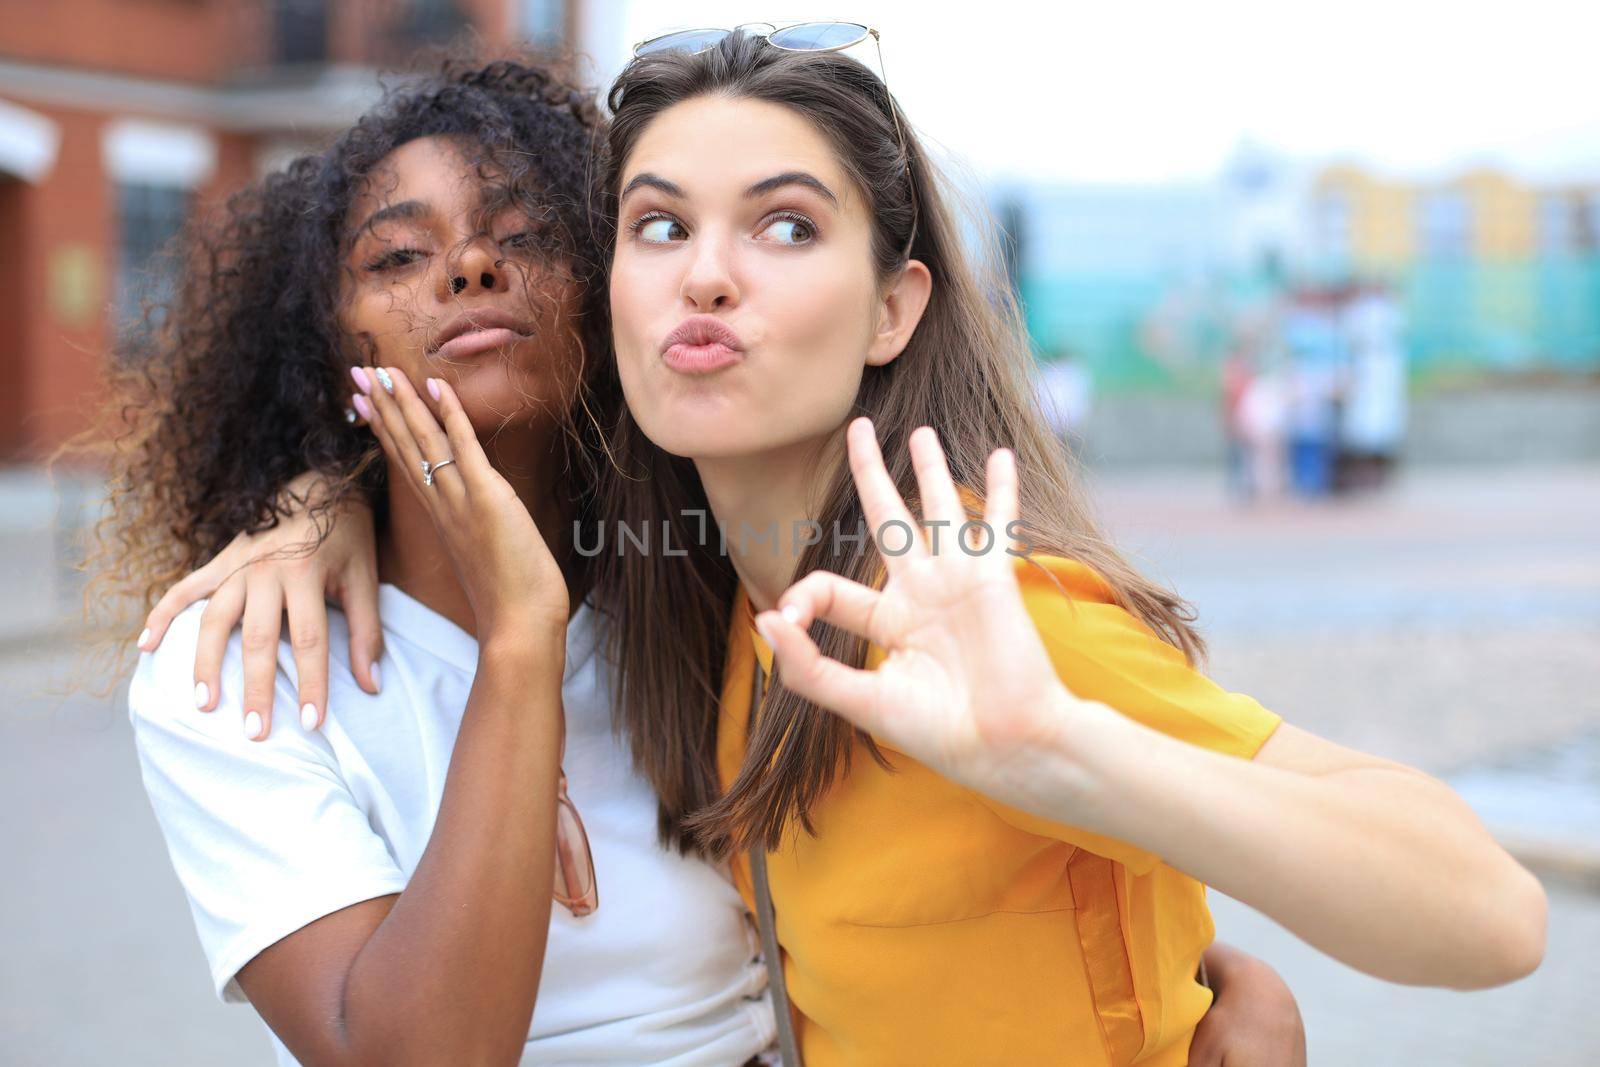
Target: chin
(698,439)
(495,395)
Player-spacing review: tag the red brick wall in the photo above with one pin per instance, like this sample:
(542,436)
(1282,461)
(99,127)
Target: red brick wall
(180,40)
(16,296)
(59,239)
(69,266)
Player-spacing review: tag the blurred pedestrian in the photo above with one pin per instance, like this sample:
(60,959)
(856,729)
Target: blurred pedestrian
(1374,415)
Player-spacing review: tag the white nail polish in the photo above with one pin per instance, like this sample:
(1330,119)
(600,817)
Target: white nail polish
(791,615)
(144,635)
(308,716)
(384,380)
(252,726)
(377,679)
(202,695)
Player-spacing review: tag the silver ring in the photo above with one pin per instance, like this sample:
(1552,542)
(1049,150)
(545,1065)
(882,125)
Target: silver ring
(430,469)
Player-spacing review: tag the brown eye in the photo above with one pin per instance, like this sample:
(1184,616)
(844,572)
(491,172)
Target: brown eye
(658,228)
(791,230)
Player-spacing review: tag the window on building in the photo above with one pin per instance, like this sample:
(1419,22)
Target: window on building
(1446,224)
(1558,224)
(1589,223)
(544,23)
(1331,229)
(430,22)
(301,30)
(151,216)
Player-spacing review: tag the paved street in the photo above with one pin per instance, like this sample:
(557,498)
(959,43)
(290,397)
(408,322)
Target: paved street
(1453,623)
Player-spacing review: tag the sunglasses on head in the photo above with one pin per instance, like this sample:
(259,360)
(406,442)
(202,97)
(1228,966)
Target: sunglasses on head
(799,37)
(796,37)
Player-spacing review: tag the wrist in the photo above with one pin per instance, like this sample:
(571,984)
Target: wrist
(531,645)
(1088,742)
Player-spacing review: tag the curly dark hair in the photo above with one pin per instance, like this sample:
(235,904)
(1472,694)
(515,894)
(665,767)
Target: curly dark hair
(239,383)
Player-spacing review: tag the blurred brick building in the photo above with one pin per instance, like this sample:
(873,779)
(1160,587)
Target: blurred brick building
(118,118)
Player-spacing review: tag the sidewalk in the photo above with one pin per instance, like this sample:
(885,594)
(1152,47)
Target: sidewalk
(1453,624)
(41,522)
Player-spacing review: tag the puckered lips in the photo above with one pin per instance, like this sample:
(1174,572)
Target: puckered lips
(701,344)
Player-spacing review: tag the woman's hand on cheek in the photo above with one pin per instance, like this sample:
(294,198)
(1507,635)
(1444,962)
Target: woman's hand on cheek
(966,686)
(509,575)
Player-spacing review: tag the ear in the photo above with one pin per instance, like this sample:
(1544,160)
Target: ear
(899,312)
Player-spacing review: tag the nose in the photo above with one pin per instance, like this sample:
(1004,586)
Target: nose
(475,268)
(710,284)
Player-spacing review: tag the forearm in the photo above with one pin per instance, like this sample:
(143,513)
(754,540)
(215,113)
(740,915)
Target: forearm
(452,972)
(1385,869)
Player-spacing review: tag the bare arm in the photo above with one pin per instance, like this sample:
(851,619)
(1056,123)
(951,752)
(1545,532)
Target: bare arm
(448,970)
(1253,1020)
(1373,862)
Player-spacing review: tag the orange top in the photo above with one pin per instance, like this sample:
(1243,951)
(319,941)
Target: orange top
(928,924)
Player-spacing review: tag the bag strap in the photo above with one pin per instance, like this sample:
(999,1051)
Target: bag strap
(788,1045)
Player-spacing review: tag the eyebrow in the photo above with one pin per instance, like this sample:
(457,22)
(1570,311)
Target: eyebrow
(410,210)
(792,177)
(765,185)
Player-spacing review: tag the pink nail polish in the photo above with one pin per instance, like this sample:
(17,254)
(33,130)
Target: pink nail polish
(363,408)
(433,388)
(361,380)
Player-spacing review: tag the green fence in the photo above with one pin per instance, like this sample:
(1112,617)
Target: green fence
(1461,316)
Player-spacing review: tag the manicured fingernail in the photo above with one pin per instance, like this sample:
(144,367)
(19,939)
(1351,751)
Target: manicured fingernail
(433,388)
(252,726)
(764,627)
(308,716)
(791,615)
(363,408)
(363,383)
(377,679)
(384,380)
(202,695)
(144,635)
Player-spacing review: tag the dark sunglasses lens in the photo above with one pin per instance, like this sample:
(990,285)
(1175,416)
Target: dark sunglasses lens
(687,41)
(818,36)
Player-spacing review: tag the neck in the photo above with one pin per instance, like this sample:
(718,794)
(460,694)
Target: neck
(413,557)
(760,501)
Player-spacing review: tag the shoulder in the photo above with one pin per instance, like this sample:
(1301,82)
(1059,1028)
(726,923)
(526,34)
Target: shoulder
(163,687)
(1105,653)
(163,681)
(1078,615)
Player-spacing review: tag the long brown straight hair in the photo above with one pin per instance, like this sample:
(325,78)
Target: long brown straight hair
(968,371)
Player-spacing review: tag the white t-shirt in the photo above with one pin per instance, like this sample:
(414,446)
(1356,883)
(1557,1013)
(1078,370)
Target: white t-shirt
(268,836)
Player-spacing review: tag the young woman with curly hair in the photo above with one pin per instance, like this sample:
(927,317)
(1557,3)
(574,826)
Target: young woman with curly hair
(377,876)
(668,675)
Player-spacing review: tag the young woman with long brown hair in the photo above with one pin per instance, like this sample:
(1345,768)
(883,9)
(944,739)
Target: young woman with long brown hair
(992,843)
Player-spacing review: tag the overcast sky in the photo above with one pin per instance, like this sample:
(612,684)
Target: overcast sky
(1155,92)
